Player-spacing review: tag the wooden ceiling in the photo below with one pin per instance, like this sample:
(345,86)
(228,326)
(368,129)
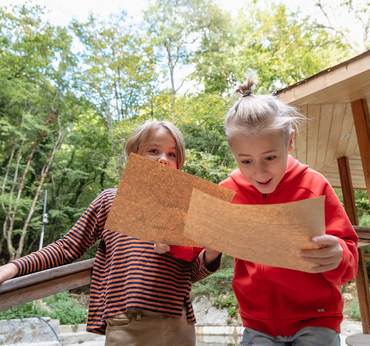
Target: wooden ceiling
(330,133)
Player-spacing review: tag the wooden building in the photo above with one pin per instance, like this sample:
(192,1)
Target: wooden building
(336,141)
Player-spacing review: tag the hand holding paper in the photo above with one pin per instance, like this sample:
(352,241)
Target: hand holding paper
(326,258)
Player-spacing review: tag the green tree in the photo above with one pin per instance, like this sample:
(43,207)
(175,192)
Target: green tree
(117,75)
(81,170)
(349,19)
(34,68)
(271,41)
(176,27)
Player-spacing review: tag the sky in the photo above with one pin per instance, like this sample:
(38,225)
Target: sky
(62,11)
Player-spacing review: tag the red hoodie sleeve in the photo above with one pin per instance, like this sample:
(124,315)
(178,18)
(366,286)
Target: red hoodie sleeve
(338,224)
(186,253)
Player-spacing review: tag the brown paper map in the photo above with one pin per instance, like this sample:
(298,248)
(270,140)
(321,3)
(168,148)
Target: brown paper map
(271,234)
(152,201)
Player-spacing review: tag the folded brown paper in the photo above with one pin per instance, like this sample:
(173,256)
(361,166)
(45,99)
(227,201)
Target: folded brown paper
(271,234)
(152,201)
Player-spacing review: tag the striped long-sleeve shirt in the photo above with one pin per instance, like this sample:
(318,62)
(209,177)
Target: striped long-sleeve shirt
(127,272)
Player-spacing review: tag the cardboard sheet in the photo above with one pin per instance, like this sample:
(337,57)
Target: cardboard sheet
(152,201)
(271,234)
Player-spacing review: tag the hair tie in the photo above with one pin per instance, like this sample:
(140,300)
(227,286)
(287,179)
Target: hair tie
(248,93)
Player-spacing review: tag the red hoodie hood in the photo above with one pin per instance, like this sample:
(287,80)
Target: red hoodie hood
(294,169)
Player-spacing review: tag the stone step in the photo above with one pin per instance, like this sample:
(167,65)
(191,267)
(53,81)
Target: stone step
(89,343)
(79,338)
(70,335)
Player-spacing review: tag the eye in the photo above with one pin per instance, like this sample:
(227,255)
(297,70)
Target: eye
(270,158)
(153,151)
(246,162)
(172,154)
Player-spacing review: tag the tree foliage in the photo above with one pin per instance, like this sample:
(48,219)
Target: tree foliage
(117,75)
(71,96)
(34,67)
(271,41)
(175,28)
(349,19)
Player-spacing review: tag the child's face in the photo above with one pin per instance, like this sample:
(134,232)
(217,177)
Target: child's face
(262,159)
(162,148)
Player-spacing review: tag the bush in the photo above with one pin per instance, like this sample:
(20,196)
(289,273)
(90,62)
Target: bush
(218,286)
(64,308)
(23,311)
(354,310)
(229,301)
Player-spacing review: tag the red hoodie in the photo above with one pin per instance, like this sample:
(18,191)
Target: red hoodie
(186,253)
(279,301)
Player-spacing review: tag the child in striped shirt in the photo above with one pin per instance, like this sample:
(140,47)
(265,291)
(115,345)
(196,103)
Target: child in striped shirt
(138,297)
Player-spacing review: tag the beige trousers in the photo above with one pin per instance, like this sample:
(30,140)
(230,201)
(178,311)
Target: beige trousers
(144,328)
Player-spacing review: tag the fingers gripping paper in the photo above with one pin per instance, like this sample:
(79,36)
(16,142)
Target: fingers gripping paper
(267,234)
(152,201)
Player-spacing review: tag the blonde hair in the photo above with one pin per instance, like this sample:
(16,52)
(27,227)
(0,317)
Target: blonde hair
(142,135)
(254,114)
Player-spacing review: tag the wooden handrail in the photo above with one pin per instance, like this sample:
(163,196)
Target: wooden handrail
(45,283)
(362,232)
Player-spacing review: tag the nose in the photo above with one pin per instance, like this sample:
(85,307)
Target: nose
(163,159)
(261,169)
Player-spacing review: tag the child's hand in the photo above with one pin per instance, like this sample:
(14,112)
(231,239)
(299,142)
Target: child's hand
(210,255)
(8,271)
(161,248)
(326,258)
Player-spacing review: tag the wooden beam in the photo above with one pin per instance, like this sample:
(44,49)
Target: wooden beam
(360,112)
(361,120)
(342,83)
(347,189)
(362,281)
(42,284)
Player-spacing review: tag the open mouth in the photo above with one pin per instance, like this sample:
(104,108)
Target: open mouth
(264,182)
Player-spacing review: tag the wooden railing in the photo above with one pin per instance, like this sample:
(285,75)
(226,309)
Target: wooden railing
(42,284)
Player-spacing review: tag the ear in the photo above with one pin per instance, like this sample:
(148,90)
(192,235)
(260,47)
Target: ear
(290,148)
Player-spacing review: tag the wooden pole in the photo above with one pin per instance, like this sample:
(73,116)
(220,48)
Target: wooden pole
(360,112)
(362,282)
(347,189)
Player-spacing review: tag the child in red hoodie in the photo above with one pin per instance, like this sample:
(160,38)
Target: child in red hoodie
(281,306)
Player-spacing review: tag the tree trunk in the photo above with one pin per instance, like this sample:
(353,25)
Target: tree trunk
(11,210)
(44,173)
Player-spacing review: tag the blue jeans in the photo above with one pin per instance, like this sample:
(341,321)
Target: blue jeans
(309,336)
